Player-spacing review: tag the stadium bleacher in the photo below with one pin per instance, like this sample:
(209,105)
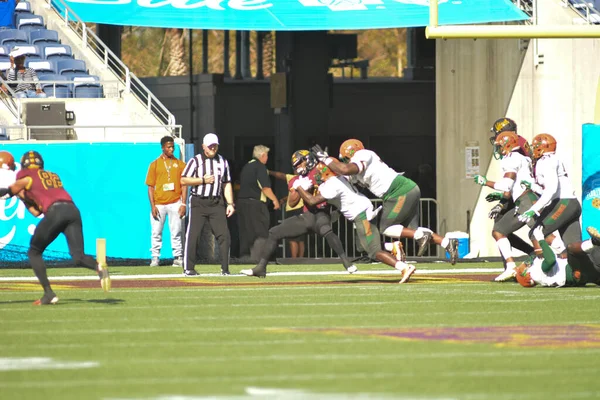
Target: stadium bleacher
(53,61)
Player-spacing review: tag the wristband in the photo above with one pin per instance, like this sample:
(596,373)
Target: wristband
(231,204)
(328,161)
(183,205)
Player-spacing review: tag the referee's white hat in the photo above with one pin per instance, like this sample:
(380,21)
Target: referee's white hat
(209,139)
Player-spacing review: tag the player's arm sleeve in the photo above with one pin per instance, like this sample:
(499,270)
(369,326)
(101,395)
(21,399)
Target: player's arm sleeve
(362,159)
(549,256)
(550,186)
(510,168)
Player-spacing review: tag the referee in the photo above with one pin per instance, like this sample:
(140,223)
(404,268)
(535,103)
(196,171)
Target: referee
(209,179)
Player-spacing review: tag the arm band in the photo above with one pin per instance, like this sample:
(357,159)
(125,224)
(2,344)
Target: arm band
(504,184)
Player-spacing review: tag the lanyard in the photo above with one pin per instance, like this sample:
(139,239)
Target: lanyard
(168,169)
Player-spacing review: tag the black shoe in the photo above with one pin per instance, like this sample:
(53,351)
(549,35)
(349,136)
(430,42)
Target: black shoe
(452,248)
(594,235)
(190,272)
(48,299)
(225,273)
(422,243)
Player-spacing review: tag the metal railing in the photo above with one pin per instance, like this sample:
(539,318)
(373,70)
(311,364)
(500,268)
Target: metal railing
(131,83)
(117,133)
(317,247)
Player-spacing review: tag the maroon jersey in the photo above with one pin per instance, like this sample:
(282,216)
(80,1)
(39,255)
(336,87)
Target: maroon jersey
(44,189)
(311,175)
(524,147)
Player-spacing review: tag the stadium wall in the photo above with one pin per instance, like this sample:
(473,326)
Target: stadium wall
(479,81)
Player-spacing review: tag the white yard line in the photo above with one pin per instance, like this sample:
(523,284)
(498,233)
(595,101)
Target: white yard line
(390,271)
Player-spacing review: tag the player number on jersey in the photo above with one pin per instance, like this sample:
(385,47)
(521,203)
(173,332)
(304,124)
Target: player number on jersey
(50,179)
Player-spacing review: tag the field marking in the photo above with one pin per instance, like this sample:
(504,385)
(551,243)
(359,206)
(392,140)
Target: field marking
(390,271)
(39,363)
(510,372)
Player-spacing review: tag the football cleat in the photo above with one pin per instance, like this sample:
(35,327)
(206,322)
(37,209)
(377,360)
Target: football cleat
(452,249)
(594,235)
(509,274)
(406,269)
(398,251)
(423,242)
(257,272)
(47,299)
(104,277)
(190,272)
(352,269)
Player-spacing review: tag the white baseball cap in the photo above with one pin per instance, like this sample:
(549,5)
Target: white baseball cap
(209,139)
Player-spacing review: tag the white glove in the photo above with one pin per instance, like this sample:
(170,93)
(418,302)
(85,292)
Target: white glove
(304,182)
(527,215)
(538,233)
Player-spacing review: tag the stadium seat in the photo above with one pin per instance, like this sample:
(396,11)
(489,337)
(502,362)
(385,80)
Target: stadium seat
(27,21)
(11,37)
(23,7)
(55,51)
(30,50)
(87,87)
(69,67)
(4,65)
(42,66)
(59,90)
(40,36)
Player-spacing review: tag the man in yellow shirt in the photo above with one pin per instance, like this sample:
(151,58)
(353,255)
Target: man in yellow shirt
(167,198)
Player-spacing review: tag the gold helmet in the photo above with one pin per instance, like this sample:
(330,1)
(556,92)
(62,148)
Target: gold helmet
(349,147)
(303,161)
(32,159)
(505,143)
(7,161)
(542,144)
(323,173)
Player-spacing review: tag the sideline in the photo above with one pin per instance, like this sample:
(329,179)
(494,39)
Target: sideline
(291,273)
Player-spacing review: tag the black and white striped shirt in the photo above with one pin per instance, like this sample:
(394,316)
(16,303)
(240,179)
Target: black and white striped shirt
(17,77)
(201,165)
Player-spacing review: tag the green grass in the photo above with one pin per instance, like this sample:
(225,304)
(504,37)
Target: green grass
(327,340)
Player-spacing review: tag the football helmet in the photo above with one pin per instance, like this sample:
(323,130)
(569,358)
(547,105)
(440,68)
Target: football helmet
(7,161)
(323,173)
(523,276)
(303,162)
(502,125)
(542,144)
(32,159)
(348,148)
(505,143)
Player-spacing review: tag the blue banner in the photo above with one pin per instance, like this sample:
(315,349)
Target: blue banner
(107,183)
(290,15)
(590,178)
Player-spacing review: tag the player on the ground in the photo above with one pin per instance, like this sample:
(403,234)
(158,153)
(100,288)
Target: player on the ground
(557,208)
(580,267)
(516,166)
(401,196)
(43,193)
(357,208)
(315,218)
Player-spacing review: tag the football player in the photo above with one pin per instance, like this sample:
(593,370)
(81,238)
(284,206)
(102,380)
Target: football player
(516,166)
(7,171)
(401,196)
(315,218)
(507,205)
(357,208)
(42,192)
(557,208)
(581,267)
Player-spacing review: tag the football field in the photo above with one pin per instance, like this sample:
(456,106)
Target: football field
(304,332)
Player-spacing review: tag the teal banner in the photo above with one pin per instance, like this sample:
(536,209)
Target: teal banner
(590,177)
(107,183)
(288,15)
